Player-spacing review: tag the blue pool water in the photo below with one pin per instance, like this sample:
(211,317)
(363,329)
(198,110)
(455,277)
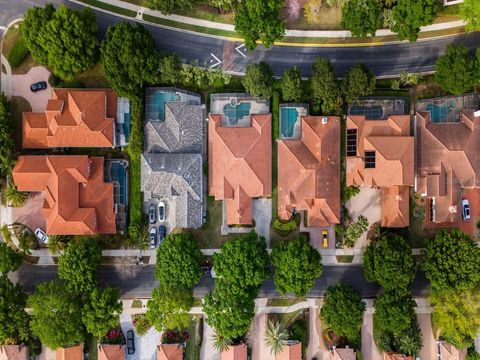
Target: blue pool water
(288,119)
(439,113)
(371,112)
(118,175)
(126,127)
(234,113)
(156,105)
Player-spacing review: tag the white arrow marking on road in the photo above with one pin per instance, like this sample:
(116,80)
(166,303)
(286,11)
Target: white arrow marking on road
(238,49)
(217,63)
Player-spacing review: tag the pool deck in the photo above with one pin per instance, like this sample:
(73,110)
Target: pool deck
(297,131)
(257,106)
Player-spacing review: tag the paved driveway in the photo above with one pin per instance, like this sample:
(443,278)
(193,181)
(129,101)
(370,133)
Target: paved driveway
(260,351)
(429,343)
(146,345)
(262,213)
(208,352)
(30,214)
(21,87)
(369,349)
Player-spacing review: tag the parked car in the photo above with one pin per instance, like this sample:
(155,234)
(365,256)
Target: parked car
(162,232)
(161,211)
(41,235)
(152,214)
(153,237)
(41,85)
(466,209)
(130,342)
(325,239)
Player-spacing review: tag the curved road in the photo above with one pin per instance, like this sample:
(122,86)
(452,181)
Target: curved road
(383,60)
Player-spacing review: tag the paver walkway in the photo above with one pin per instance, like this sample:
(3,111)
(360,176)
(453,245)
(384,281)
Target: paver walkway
(429,348)
(208,352)
(315,344)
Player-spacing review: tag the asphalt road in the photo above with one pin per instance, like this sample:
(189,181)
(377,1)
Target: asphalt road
(142,285)
(383,60)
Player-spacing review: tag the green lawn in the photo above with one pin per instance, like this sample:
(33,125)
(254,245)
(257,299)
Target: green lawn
(91,343)
(283,302)
(344,258)
(108,7)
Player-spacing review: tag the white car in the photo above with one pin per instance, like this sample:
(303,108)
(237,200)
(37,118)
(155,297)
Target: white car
(41,235)
(153,237)
(161,211)
(465,209)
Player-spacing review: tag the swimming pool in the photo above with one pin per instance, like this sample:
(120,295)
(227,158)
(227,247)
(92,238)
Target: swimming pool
(439,113)
(288,119)
(118,175)
(235,113)
(155,105)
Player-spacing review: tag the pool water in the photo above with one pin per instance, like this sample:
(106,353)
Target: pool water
(156,105)
(235,113)
(439,113)
(288,119)
(118,174)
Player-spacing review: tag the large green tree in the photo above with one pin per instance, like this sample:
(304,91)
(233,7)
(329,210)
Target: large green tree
(292,85)
(129,58)
(78,266)
(456,71)
(243,262)
(102,311)
(393,312)
(35,20)
(56,315)
(361,17)
(451,260)
(410,15)
(342,310)
(470,12)
(389,262)
(358,81)
(9,259)
(168,6)
(324,86)
(297,265)
(168,309)
(14,319)
(7,144)
(259,20)
(179,261)
(258,79)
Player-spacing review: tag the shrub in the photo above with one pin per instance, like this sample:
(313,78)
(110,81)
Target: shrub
(18,53)
(141,325)
(284,228)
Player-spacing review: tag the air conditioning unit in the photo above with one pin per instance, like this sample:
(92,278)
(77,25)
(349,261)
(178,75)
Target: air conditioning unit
(325,120)
(476,113)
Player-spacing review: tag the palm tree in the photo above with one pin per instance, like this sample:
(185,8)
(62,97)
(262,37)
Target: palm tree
(56,243)
(276,336)
(221,343)
(14,197)
(409,341)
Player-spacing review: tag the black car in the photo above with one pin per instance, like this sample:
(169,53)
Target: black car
(41,85)
(130,342)
(162,232)
(152,214)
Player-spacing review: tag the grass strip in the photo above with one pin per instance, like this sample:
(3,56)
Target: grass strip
(109,7)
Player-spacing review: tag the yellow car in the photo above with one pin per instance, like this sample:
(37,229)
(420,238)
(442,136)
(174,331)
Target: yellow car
(325,239)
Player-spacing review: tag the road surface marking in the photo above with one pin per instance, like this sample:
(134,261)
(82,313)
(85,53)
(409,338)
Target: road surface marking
(218,61)
(239,49)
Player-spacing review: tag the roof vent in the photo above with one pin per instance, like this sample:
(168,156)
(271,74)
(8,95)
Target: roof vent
(476,113)
(325,120)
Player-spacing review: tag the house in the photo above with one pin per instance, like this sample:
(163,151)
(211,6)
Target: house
(235,352)
(172,162)
(240,165)
(69,353)
(380,154)
(341,354)
(77,200)
(392,356)
(111,352)
(78,118)
(447,164)
(309,172)
(447,351)
(169,352)
(14,352)
(291,351)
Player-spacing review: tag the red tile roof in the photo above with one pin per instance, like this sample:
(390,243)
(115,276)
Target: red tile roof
(235,352)
(450,352)
(393,172)
(309,172)
(72,118)
(240,165)
(111,352)
(342,354)
(13,352)
(169,352)
(77,201)
(290,352)
(392,356)
(447,162)
(69,353)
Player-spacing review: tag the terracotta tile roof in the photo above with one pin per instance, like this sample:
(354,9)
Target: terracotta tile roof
(69,353)
(393,163)
(392,356)
(342,354)
(13,352)
(450,352)
(72,118)
(169,352)
(111,352)
(447,161)
(235,352)
(309,172)
(292,351)
(77,201)
(240,165)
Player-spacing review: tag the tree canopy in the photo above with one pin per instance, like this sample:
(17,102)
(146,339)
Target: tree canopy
(324,86)
(101,312)
(56,315)
(7,144)
(258,79)
(259,20)
(342,310)
(456,71)
(168,6)
(297,265)
(78,266)
(389,262)
(14,319)
(35,20)
(470,13)
(170,67)
(452,261)
(292,85)
(410,15)
(9,259)
(243,261)
(361,17)
(179,261)
(129,58)
(358,81)
(393,312)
